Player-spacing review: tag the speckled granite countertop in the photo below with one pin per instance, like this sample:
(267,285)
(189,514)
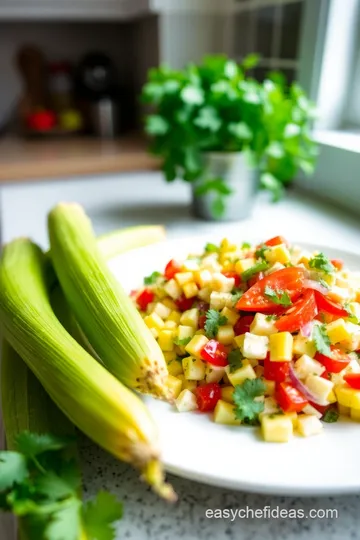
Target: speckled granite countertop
(118,201)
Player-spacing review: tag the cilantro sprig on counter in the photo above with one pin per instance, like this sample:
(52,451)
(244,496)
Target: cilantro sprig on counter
(321,262)
(247,409)
(321,339)
(41,484)
(214,319)
(277,296)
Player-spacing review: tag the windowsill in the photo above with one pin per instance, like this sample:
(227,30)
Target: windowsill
(346,140)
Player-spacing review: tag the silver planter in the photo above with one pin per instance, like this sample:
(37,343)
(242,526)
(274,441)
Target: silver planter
(238,176)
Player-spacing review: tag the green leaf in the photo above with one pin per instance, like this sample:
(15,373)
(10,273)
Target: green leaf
(270,318)
(192,95)
(65,522)
(258,267)
(260,252)
(235,359)
(246,408)
(211,248)
(236,295)
(218,207)
(230,69)
(272,184)
(214,319)
(277,296)
(53,487)
(292,130)
(32,444)
(182,342)
(216,185)
(208,119)
(100,516)
(330,416)
(321,262)
(321,339)
(240,130)
(250,61)
(13,470)
(275,150)
(152,278)
(156,125)
(245,245)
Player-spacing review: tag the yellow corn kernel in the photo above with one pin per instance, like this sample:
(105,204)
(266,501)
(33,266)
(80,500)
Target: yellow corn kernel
(349,397)
(168,302)
(231,315)
(319,386)
(344,411)
(219,300)
(172,289)
(174,316)
(281,347)
(166,340)
(276,428)
(279,253)
(196,344)
(183,278)
(227,393)
(186,401)
(190,290)
(194,368)
(203,278)
(174,385)
(261,326)
(161,310)
(225,334)
(190,318)
(303,345)
(241,374)
(244,264)
(269,387)
(154,321)
(337,331)
(170,325)
(355,414)
(224,413)
(184,332)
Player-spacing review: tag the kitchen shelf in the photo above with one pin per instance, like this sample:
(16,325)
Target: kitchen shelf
(26,160)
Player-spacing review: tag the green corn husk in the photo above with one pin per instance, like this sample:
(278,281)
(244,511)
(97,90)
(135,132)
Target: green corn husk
(86,393)
(102,308)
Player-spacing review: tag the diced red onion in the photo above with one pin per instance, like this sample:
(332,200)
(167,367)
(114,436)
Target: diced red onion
(304,389)
(307,329)
(315,285)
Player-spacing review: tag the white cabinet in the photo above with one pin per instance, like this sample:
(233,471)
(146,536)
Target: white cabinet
(73,9)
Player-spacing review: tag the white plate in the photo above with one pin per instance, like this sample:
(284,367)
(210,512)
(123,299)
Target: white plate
(194,447)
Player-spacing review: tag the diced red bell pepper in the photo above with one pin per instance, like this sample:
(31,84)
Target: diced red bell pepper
(214,353)
(234,275)
(275,371)
(171,269)
(325,304)
(242,325)
(334,363)
(207,396)
(301,313)
(289,398)
(353,380)
(276,241)
(184,303)
(338,263)
(144,299)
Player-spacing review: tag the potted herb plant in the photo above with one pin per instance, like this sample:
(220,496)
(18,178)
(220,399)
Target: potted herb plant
(227,134)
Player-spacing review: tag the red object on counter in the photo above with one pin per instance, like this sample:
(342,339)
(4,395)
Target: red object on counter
(41,120)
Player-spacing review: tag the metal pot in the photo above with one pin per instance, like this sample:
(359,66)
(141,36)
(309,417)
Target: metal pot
(237,174)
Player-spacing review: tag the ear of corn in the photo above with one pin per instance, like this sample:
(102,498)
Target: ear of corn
(90,397)
(102,308)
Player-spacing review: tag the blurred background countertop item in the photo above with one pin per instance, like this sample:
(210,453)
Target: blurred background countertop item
(24,160)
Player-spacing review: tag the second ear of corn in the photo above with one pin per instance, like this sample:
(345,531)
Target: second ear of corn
(102,308)
(91,398)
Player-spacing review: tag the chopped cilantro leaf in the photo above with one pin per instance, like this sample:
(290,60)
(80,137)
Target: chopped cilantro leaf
(236,295)
(321,262)
(150,280)
(351,316)
(258,267)
(235,359)
(330,416)
(321,339)
(260,252)
(182,342)
(270,318)
(246,408)
(213,320)
(245,245)
(211,248)
(277,296)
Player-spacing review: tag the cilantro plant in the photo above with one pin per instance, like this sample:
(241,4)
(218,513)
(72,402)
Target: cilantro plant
(217,106)
(41,484)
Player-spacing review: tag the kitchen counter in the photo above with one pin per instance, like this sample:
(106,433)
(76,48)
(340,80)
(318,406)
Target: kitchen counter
(115,201)
(28,159)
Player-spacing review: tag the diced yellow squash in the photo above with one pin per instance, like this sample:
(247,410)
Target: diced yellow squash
(224,413)
(269,387)
(196,344)
(203,278)
(231,315)
(306,365)
(184,277)
(281,347)
(308,425)
(261,326)
(175,317)
(186,401)
(303,345)
(227,393)
(338,331)
(355,414)
(194,368)
(240,375)
(172,289)
(320,387)
(349,397)
(166,340)
(276,427)
(253,346)
(190,318)
(225,334)
(161,310)
(244,264)
(154,321)
(344,411)
(214,373)
(174,386)
(218,300)
(279,253)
